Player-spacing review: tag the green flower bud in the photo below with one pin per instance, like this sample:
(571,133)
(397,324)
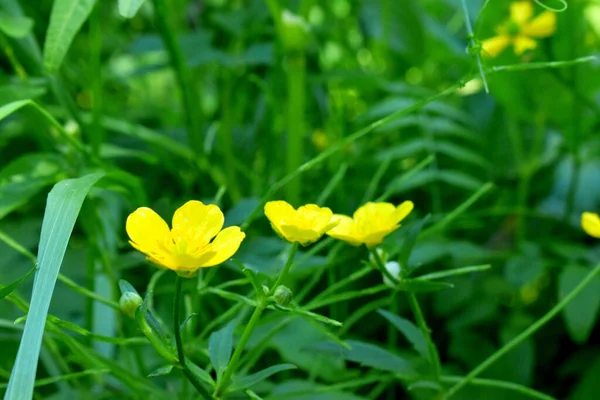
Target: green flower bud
(283,295)
(294,31)
(129,302)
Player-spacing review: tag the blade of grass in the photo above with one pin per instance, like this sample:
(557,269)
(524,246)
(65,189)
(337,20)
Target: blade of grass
(62,209)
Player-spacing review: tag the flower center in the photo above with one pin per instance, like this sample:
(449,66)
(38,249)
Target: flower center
(512,28)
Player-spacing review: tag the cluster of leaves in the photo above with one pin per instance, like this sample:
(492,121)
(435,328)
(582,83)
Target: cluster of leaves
(154,103)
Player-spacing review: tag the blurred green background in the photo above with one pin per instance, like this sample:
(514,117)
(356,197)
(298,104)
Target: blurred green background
(218,100)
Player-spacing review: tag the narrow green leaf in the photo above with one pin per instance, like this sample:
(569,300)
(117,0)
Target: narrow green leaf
(421,285)
(220,345)
(128,8)
(66,19)
(16,27)
(309,314)
(581,313)
(162,371)
(409,330)
(8,289)
(409,239)
(62,209)
(200,373)
(250,380)
(454,271)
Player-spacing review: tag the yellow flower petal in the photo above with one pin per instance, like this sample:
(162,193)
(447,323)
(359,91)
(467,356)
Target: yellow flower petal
(521,12)
(542,26)
(195,224)
(148,232)
(494,46)
(222,248)
(523,43)
(590,222)
(403,210)
(305,225)
(345,230)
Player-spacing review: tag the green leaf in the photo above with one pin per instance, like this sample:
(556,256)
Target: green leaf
(62,209)
(200,373)
(410,234)
(409,330)
(128,8)
(16,27)
(8,289)
(250,380)
(368,355)
(162,371)
(66,19)
(421,285)
(582,312)
(220,344)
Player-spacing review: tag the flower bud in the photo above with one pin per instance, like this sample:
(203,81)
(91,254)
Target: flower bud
(393,268)
(129,302)
(283,295)
(294,31)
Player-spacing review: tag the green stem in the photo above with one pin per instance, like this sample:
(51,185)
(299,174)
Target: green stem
(524,335)
(296,84)
(235,358)
(477,54)
(434,357)
(96,133)
(262,303)
(182,74)
(177,319)
(286,268)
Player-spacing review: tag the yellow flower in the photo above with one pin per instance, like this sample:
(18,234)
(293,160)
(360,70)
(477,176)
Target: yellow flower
(305,225)
(590,222)
(520,30)
(370,223)
(187,246)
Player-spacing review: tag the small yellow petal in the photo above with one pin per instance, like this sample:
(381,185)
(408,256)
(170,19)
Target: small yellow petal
(222,248)
(542,26)
(521,12)
(147,230)
(523,43)
(403,210)
(345,230)
(494,46)
(590,222)
(196,224)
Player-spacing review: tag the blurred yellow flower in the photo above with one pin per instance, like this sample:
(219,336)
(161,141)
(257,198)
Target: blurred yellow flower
(520,30)
(187,246)
(305,225)
(590,222)
(370,223)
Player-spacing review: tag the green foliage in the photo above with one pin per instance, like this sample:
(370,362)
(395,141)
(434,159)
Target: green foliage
(136,103)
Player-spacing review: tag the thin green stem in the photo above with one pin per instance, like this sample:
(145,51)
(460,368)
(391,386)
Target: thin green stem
(177,319)
(96,130)
(524,335)
(286,268)
(434,357)
(477,54)
(235,358)
(296,86)
(515,387)
(182,74)
(381,267)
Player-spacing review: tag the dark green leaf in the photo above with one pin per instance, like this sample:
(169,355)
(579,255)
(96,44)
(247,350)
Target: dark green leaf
(250,380)
(220,344)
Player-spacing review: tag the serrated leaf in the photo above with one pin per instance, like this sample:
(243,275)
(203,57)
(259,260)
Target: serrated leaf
(162,371)
(250,380)
(66,19)
(220,345)
(128,8)
(409,330)
(581,313)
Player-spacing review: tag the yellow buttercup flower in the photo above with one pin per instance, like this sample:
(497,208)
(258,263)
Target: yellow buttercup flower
(305,225)
(520,30)
(187,246)
(590,222)
(370,223)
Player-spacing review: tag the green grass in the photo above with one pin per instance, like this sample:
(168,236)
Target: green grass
(154,103)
